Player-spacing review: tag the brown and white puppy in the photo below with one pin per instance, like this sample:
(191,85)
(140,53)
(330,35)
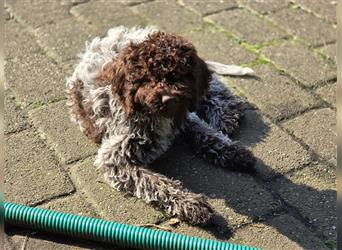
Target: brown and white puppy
(133,93)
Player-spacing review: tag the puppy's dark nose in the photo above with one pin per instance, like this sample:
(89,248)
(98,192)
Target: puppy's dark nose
(166,99)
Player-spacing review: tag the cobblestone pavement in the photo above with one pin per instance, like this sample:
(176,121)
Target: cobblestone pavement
(290,124)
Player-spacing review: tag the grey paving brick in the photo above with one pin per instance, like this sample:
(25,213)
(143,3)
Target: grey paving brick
(317,129)
(61,134)
(265,7)
(112,205)
(326,9)
(113,13)
(290,57)
(31,172)
(255,30)
(65,39)
(34,79)
(207,7)
(15,118)
(13,242)
(313,192)
(168,16)
(275,94)
(328,93)
(217,46)
(31,75)
(276,151)
(331,51)
(15,34)
(282,232)
(37,13)
(305,25)
(234,204)
(75,204)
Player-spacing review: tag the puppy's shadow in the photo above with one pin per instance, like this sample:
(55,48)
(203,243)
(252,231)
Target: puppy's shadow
(235,193)
(219,184)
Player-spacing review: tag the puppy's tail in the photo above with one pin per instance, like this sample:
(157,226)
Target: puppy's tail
(233,70)
(79,112)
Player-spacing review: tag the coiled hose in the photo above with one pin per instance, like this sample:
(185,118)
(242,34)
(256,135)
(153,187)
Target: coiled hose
(107,231)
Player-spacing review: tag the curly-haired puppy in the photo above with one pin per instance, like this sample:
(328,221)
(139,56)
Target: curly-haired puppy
(133,92)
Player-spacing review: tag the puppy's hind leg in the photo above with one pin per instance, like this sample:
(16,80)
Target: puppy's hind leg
(154,188)
(217,148)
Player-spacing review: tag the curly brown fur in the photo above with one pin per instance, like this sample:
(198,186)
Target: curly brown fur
(77,109)
(137,100)
(162,65)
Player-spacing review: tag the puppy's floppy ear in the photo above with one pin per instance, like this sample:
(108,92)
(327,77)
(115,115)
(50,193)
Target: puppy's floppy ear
(115,75)
(202,76)
(118,78)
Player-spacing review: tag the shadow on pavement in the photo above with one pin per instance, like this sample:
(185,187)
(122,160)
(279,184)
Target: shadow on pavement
(242,193)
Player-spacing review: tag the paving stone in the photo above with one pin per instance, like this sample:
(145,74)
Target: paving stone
(75,204)
(331,51)
(290,57)
(282,232)
(217,46)
(15,34)
(235,205)
(275,94)
(312,191)
(111,204)
(15,118)
(113,13)
(328,93)
(61,134)
(305,25)
(65,39)
(35,79)
(317,129)
(326,9)
(31,172)
(265,7)
(255,30)
(169,16)
(276,151)
(208,7)
(13,242)
(37,13)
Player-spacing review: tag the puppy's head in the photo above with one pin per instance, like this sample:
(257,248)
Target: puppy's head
(161,76)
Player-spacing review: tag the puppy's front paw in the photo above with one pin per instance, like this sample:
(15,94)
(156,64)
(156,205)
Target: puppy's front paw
(193,209)
(238,158)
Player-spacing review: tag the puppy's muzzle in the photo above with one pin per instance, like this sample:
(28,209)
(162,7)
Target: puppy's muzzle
(170,103)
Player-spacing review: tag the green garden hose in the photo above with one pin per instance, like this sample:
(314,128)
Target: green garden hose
(107,231)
